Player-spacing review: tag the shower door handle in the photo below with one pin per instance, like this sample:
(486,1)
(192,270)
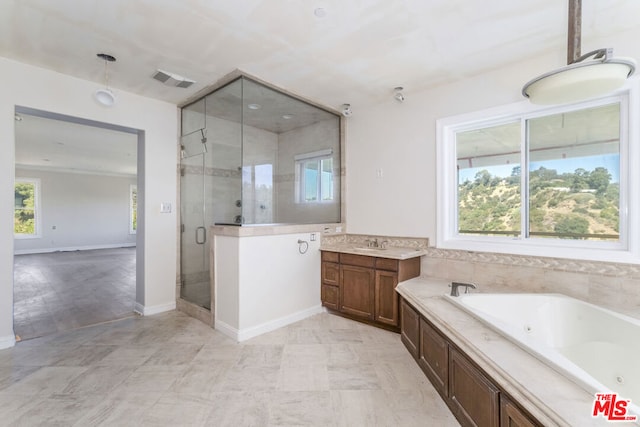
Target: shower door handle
(201,238)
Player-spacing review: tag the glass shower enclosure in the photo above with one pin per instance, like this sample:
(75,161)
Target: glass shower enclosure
(252,155)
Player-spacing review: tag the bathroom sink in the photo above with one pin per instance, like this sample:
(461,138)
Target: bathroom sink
(368,249)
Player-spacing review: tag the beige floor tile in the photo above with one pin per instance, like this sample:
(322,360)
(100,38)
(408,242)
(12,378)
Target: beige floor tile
(245,408)
(151,379)
(353,377)
(303,378)
(325,370)
(46,380)
(309,408)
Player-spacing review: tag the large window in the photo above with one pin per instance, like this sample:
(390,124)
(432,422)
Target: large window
(314,176)
(26,214)
(537,178)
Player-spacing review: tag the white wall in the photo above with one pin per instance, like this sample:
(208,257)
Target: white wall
(33,87)
(400,139)
(87,211)
(263,283)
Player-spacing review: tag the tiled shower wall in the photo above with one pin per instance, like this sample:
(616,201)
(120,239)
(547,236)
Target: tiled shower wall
(612,285)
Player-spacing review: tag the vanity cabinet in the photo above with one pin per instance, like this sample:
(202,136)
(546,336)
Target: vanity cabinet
(471,395)
(365,288)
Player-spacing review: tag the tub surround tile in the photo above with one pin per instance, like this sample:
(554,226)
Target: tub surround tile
(594,282)
(520,374)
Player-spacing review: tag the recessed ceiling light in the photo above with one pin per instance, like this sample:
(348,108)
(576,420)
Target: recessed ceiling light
(287,116)
(17,117)
(254,106)
(320,12)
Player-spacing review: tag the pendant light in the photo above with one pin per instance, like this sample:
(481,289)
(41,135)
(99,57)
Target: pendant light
(585,76)
(105,96)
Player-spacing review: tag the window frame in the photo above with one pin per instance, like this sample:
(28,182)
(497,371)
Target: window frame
(300,181)
(133,187)
(37,208)
(624,250)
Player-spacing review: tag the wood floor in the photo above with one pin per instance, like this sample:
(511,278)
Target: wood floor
(61,291)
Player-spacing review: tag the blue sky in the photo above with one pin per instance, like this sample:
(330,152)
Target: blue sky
(611,162)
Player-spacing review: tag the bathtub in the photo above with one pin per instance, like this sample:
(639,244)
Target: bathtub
(596,348)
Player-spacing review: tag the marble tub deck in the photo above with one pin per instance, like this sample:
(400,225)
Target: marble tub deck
(171,369)
(548,395)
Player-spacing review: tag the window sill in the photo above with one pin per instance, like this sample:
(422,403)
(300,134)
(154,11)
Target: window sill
(530,248)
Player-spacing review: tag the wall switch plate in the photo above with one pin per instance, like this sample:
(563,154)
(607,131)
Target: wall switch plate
(165,207)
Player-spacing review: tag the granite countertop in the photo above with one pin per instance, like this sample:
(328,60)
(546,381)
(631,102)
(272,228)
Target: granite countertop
(548,395)
(392,252)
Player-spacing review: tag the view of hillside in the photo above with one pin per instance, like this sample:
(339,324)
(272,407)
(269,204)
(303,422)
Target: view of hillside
(579,205)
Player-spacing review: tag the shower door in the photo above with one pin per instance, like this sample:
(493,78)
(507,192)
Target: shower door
(194,253)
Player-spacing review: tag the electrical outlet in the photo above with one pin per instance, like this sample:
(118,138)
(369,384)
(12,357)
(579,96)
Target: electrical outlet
(312,237)
(165,207)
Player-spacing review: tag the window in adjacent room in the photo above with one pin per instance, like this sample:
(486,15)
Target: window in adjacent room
(133,209)
(26,214)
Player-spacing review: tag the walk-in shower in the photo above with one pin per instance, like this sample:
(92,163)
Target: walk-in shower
(252,155)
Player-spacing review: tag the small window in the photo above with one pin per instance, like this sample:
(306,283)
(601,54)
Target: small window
(26,215)
(133,209)
(314,177)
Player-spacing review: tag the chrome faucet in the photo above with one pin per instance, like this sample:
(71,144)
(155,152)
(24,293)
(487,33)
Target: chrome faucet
(372,243)
(456,285)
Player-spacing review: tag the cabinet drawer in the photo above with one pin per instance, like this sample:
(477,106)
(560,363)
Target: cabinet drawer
(330,256)
(387,264)
(359,260)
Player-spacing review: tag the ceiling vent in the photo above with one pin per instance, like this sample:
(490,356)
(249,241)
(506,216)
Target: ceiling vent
(171,79)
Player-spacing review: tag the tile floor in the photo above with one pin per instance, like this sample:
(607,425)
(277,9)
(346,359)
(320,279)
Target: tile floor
(172,370)
(60,291)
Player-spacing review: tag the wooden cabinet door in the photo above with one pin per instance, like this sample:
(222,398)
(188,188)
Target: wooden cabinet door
(386,298)
(434,357)
(512,416)
(409,328)
(330,296)
(357,291)
(473,398)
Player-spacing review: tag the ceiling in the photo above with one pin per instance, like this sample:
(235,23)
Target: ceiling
(357,53)
(56,145)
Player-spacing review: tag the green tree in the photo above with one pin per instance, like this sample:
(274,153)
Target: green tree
(571,225)
(599,180)
(24,214)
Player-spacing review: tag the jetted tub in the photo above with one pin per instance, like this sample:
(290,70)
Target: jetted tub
(597,348)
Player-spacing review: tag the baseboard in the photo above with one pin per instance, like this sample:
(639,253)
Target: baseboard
(7,342)
(226,329)
(155,309)
(272,325)
(72,248)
